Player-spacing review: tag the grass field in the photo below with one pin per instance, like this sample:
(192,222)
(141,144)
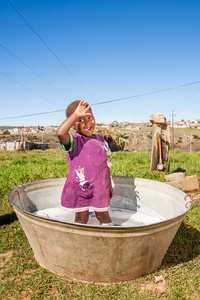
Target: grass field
(21,277)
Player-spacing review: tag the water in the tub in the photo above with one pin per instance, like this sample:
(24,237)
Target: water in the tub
(119,216)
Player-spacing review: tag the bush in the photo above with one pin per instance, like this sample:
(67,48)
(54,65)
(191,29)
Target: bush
(6,132)
(195,136)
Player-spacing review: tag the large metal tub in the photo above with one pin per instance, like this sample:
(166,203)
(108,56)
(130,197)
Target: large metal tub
(102,254)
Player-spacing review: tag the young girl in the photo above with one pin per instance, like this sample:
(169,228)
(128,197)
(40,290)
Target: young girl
(88,185)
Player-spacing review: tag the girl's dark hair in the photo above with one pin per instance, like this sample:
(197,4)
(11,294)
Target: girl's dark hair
(72,107)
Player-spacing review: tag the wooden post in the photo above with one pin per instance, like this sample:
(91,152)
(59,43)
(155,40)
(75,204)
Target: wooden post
(160,158)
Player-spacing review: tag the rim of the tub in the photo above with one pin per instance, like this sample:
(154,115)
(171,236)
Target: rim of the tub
(99,226)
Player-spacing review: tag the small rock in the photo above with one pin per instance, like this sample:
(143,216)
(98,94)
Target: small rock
(159,278)
(189,183)
(174,176)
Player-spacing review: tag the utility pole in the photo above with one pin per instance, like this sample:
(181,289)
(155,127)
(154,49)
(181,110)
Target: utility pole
(22,137)
(172,130)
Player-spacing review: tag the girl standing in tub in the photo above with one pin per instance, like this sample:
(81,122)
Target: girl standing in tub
(88,185)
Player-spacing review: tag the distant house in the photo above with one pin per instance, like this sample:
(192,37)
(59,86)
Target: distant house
(181,124)
(129,127)
(9,145)
(14,131)
(14,145)
(32,146)
(197,125)
(33,130)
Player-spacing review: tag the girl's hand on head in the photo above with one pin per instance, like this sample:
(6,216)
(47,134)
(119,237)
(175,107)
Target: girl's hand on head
(82,109)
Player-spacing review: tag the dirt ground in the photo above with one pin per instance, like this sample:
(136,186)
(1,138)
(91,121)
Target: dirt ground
(184,139)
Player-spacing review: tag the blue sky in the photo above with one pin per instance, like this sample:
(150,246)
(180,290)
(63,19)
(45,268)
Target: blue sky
(108,49)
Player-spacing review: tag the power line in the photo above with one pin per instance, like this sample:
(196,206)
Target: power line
(109,101)
(148,93)
(184,104)
(10,78)
(32,70)
(36,114)
(190,104)
(48,47)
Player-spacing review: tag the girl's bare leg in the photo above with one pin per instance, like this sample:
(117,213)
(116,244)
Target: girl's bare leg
(82,217)
(103,217)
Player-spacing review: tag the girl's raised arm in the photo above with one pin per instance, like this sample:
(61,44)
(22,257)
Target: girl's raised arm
(63,130)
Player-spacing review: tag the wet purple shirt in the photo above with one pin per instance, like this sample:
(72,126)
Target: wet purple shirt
(87,185)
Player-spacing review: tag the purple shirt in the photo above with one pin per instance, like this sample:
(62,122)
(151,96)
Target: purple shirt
(87,185)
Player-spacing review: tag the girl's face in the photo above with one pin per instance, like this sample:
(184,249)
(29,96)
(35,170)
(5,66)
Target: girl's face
(85,125)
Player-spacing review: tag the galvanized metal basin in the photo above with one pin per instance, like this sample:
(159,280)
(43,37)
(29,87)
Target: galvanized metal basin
(146,216)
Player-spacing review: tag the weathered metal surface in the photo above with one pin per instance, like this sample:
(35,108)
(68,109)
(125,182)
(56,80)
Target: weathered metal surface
(101,254)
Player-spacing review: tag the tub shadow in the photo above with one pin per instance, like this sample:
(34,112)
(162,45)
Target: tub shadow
(184,247)
(119,218)
(7,219)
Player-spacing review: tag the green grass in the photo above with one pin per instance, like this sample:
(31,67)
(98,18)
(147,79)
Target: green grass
(22,278)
